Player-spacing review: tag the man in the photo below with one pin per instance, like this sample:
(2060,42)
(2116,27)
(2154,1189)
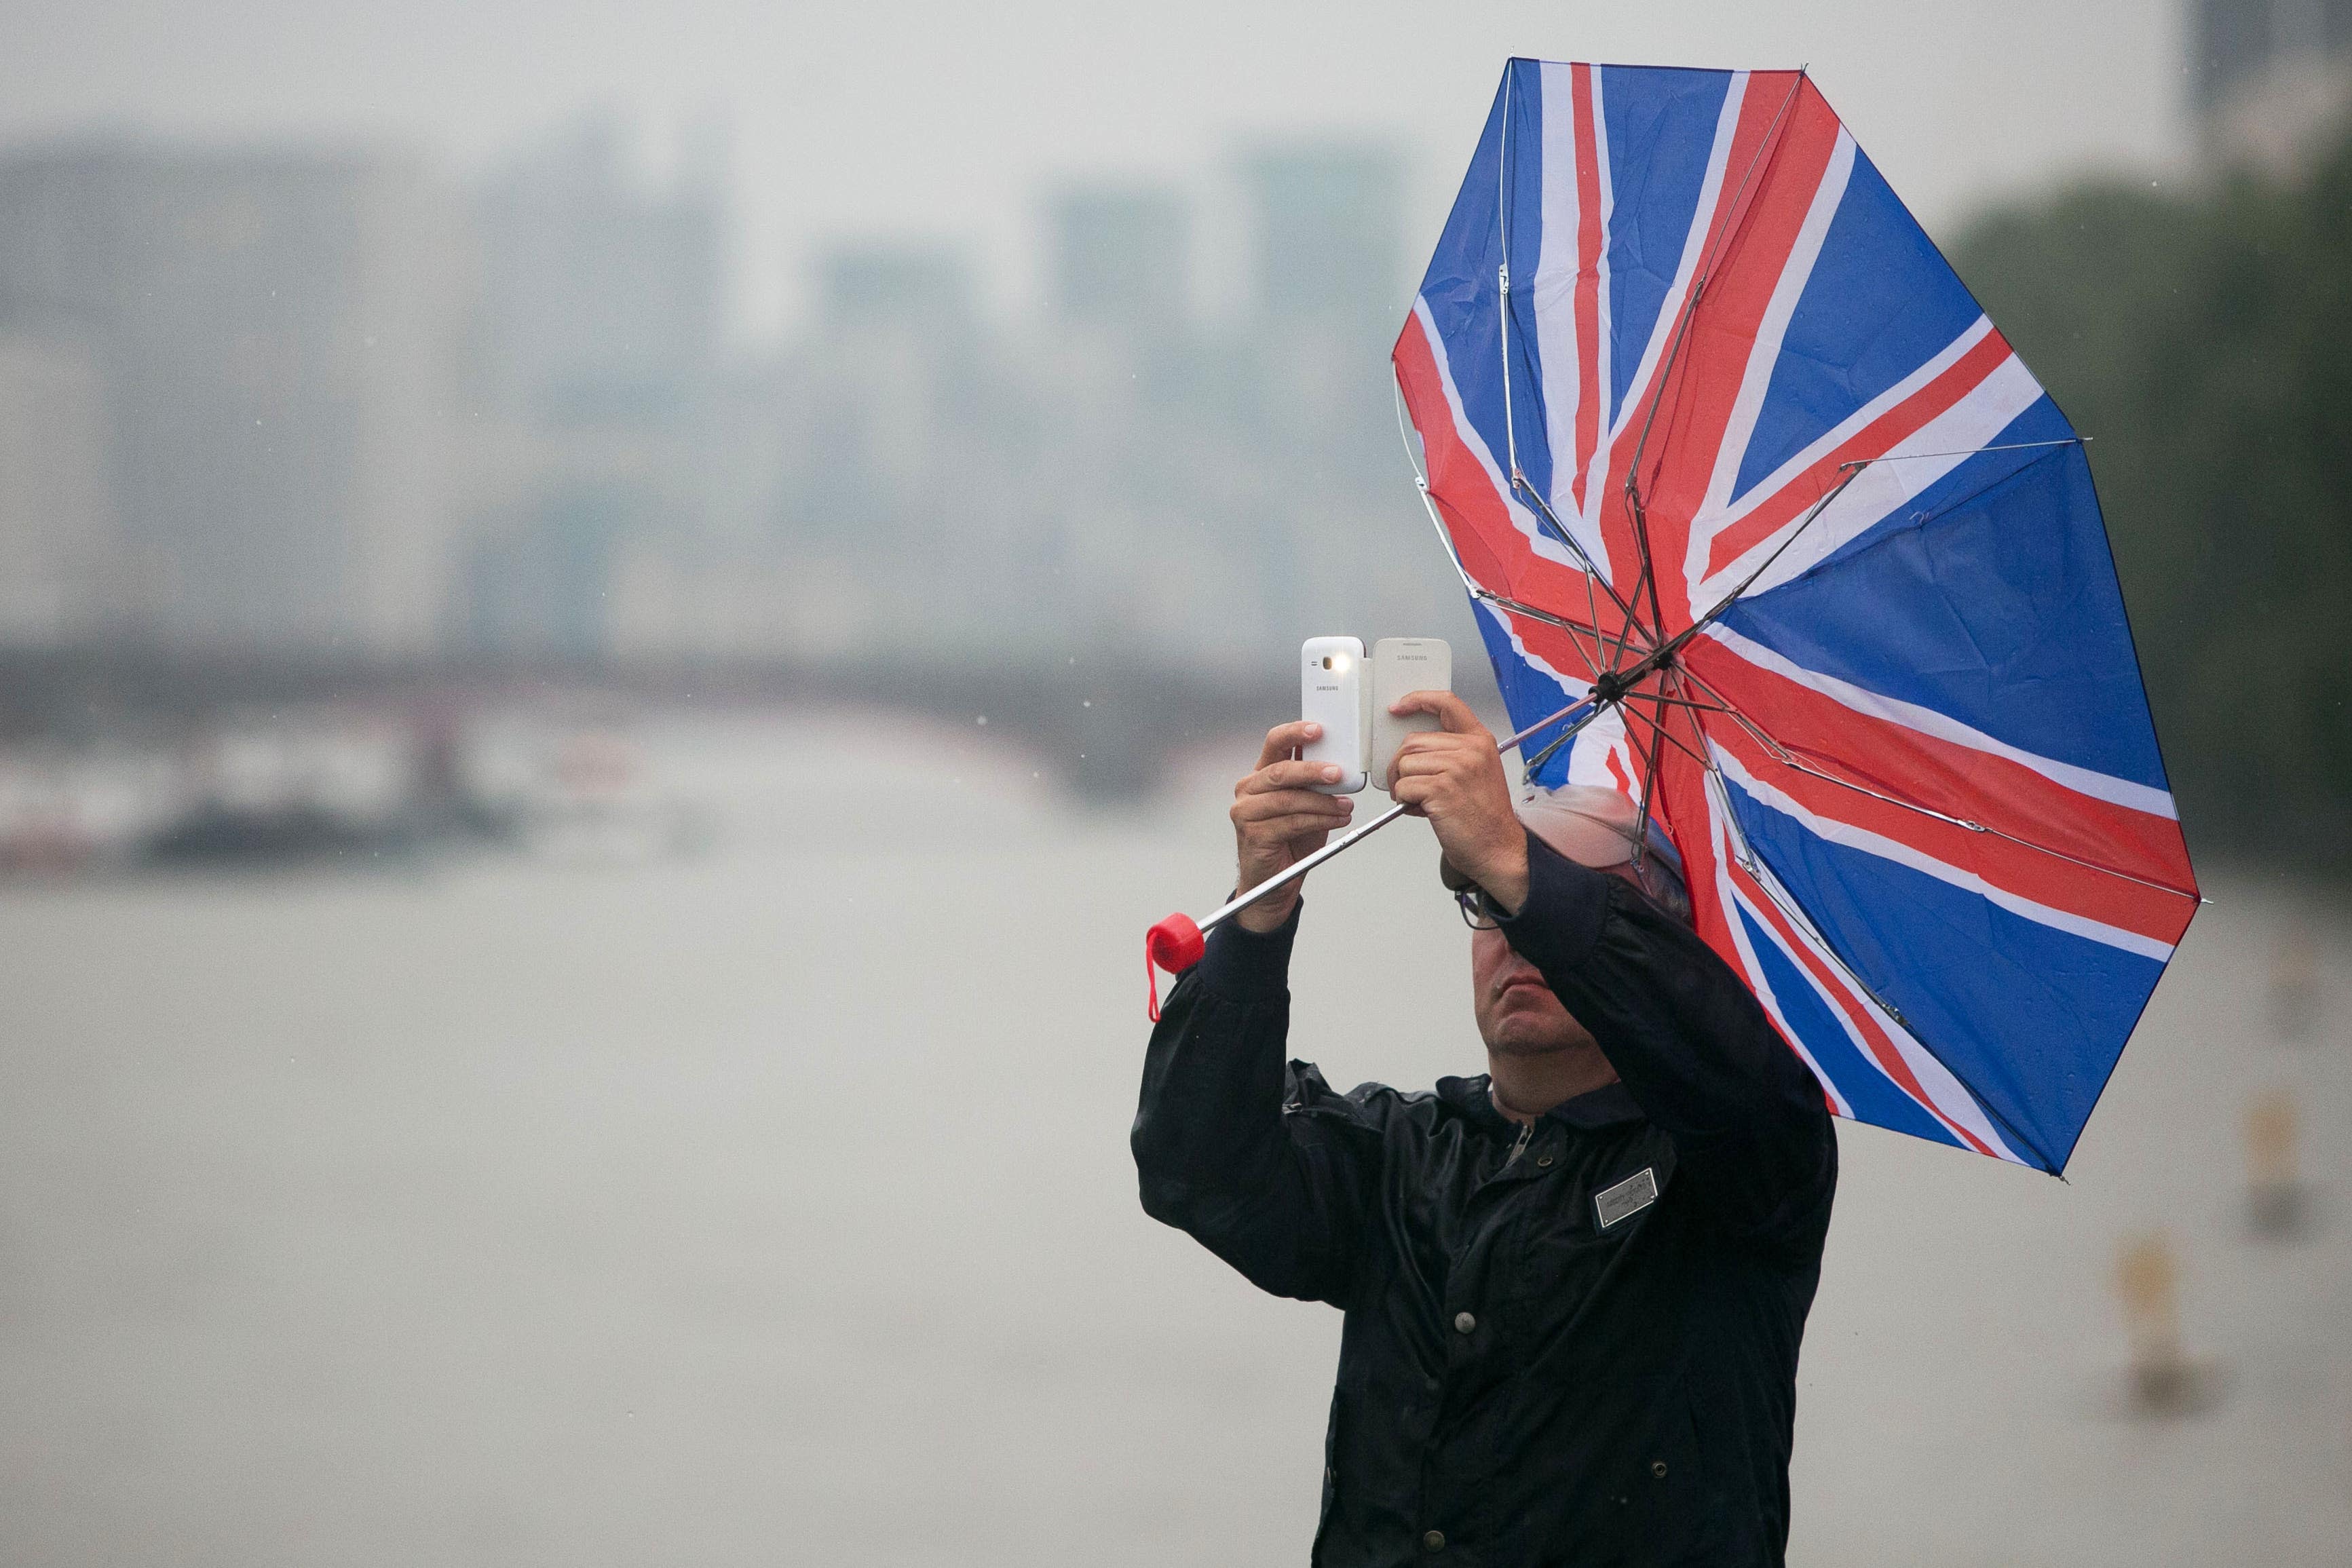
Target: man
(1575,1284)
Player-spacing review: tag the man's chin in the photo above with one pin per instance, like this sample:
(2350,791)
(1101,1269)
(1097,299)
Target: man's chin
(1528,1036)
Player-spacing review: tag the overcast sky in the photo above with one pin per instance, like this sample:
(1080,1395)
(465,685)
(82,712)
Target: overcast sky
(950,119)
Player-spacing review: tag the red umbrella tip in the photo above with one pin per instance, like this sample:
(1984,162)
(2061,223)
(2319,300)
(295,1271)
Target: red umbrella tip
(1174,945)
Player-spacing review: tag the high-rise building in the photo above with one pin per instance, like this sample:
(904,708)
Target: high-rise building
(893,414)
(1121,258)
(62,580)
(2270,79)
(599,323)
(275,334)
(895,286)
(599,296)
(1329,233)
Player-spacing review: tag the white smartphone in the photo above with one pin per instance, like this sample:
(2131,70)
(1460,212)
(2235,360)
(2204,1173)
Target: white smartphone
(1331,693)
(1401,666)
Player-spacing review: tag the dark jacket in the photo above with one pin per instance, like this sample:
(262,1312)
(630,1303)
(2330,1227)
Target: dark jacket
(1542,1363)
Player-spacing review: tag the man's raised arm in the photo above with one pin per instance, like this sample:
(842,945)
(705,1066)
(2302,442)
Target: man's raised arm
(1261,1164)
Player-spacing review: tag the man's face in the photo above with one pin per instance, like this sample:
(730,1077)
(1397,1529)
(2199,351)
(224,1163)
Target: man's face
(1518,1014)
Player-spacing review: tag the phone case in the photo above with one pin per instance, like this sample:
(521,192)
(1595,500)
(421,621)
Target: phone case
(1401,666)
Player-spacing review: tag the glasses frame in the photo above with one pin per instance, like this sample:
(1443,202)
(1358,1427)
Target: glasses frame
(1472,902)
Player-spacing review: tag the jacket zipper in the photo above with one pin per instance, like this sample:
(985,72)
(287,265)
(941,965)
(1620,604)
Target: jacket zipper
(1525,1129)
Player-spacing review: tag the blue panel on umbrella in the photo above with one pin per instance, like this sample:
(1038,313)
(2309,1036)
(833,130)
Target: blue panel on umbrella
(1661,125)
(2031,1018)
(1870,1094)
(1526,440)
(1460,287)
(1882,302)
(2001,609)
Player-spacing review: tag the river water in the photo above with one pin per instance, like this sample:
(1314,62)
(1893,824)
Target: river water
(771,1204)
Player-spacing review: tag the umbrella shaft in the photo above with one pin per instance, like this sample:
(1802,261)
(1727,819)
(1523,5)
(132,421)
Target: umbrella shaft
(1297,869)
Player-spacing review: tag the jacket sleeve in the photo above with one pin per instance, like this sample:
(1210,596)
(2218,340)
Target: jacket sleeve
(1750,1125)
(1227,1144)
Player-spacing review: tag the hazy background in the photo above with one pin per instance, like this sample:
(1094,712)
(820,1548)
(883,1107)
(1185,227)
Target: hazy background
(612,619)
(948,121)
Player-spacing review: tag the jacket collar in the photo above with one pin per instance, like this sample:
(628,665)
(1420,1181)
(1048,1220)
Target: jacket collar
(1606,1106)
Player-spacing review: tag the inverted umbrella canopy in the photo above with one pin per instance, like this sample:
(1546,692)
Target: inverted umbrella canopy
(1720,445)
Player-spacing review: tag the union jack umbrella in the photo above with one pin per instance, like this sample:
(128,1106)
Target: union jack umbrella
(1764,524)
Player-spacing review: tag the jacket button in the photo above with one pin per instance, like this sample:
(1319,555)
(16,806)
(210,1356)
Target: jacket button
(1543,1159)
(1431,1383)
(1464,1323)
(1432,1541)
(1658,1469)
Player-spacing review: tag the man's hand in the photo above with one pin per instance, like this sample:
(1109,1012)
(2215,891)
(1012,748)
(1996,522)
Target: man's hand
(1454,778)
(1279,819)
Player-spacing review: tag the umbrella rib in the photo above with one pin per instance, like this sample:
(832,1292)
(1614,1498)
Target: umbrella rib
(1503,274)
(1659,727)
(1689,703)
(1625,705)
(1649,778)
(1850,472)
(1973,451)
(1528,765)
(1593,573)
(1548,618)
(1594,662)
(1663,655)
(1593,710)
(1518,479)
(1921,519)
(1790,759)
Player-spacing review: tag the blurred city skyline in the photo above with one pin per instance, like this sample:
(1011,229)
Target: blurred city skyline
(329,391)
(343,386)
(305,400)
(944,124)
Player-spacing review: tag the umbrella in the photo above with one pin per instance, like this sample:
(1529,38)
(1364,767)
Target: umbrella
(1764,524)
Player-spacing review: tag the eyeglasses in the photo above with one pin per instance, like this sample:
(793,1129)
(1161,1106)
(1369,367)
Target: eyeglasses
(1475,913)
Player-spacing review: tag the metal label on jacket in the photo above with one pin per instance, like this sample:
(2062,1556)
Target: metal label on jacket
(1627,1199)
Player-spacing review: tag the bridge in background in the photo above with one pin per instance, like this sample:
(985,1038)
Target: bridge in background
(1105,726)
